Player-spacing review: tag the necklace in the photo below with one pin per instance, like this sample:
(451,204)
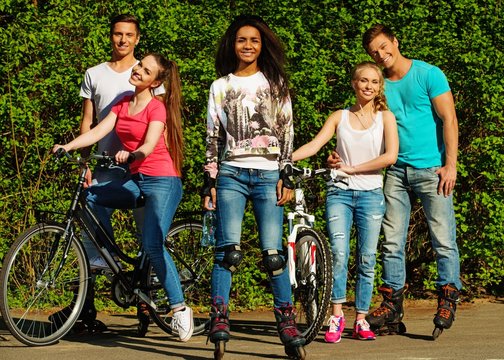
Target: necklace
(365,118)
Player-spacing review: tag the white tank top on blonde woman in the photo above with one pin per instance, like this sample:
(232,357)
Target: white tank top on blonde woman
(359,146)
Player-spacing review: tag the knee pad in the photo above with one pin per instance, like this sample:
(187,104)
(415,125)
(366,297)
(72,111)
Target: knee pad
(273,261)
(232,257)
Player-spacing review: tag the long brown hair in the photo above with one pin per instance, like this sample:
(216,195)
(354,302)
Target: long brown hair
(174,138)
(380,101)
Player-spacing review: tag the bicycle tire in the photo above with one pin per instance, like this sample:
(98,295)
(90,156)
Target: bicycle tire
(313,292)
(194,264)
(37,308)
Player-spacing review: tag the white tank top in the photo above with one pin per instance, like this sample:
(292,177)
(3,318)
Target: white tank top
(359,146)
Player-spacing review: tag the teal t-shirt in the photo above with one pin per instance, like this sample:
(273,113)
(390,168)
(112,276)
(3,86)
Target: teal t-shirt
(421,143)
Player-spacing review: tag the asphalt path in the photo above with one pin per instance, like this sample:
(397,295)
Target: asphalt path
(476,334)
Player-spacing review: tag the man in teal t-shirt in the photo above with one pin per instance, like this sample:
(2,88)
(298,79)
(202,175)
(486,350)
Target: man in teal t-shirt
(419,96)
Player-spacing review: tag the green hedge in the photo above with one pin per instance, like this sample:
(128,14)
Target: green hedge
(47,45)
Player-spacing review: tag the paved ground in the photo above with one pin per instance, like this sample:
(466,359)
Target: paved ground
(476,334)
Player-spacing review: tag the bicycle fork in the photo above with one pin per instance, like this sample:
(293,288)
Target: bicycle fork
(307,252)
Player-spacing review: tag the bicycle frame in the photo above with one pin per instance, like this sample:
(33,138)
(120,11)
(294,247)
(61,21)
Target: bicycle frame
(304,220)
(80,213)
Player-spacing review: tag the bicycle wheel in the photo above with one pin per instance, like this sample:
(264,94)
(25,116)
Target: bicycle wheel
(194,264)
(314,281)
(38,306)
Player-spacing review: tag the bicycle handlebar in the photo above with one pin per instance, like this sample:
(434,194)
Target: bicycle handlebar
(108,161)
(308,173)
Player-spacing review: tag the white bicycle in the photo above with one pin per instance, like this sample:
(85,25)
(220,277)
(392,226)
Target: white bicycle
(309,258)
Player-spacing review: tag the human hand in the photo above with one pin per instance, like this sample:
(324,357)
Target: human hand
(333,159)
(123,157)
(209,202)
(447,179)
(56,147)
(284,194)
(350,170)
(88,178)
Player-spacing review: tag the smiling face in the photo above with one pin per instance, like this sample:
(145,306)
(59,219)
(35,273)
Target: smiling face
(248,45)
(366,84)
(384,51)
(145,73)
(124,38)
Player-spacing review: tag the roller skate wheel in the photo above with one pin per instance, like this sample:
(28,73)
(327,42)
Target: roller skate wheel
(220,349)
(437,331)
(142,328)
(297,353)
(401,329)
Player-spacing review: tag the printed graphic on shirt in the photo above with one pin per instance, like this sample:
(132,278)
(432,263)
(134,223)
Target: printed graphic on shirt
(244,119)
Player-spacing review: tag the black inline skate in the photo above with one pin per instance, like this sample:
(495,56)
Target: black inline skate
(387,319)
(290,336)
(448,296)
(219,329)
(143,317)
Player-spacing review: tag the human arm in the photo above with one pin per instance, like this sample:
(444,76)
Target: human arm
(92,136)
(444,106)
(213,139)
(88,115)
(389,156)
(154,132)
(285,126)
(324,135)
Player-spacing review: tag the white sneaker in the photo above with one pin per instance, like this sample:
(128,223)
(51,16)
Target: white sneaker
(182,324)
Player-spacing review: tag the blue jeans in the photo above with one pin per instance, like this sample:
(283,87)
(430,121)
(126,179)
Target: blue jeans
(102,175)
(162,195)
(401,184)
(234,187)
(366,209)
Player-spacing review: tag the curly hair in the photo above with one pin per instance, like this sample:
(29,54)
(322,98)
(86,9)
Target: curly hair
(380,101)
(271,60)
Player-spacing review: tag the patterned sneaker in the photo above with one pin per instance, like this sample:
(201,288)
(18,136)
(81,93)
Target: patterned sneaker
(336,326)
(362,331)
(182,323)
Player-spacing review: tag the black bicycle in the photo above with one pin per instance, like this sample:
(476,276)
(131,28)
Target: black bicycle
(46,271)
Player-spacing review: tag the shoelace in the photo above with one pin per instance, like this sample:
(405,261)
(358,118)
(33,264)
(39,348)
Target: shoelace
(364,325)
(334,324)
(177,323)
(291,331)
(444,313)
(381,310)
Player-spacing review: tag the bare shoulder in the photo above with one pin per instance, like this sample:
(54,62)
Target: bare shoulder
(335,117)
(388,115)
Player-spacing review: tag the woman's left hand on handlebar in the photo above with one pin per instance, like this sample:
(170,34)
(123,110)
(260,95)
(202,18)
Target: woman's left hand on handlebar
(58,146)
(122,156)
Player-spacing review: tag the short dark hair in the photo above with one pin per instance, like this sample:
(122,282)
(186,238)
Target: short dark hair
(374,31)
(124,18)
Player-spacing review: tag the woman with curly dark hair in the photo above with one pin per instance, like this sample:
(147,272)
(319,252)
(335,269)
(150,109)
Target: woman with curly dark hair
(248,157)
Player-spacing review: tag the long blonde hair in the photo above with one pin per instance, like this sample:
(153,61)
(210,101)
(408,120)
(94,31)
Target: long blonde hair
(380,101)
(173,133)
